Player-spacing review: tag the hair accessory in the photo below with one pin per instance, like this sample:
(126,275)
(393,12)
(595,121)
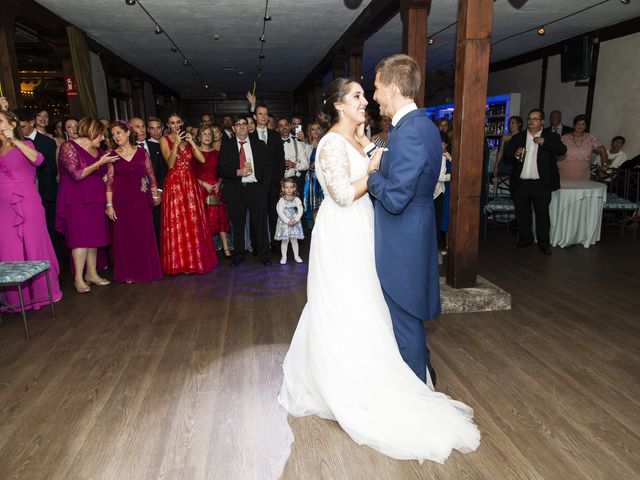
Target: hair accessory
(123,123)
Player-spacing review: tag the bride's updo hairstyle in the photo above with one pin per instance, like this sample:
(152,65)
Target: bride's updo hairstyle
(336,91)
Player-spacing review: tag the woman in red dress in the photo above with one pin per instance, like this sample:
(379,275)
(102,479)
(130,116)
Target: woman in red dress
(185,239)
(209,141)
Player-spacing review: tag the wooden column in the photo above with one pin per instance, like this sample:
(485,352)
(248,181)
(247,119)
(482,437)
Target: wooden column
(354,53)
(9,78)
(471,75)
(338,66)
(415,14)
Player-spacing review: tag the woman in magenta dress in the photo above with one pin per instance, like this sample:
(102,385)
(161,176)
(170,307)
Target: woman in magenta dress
(22,222)
(185,243)
(131,195)
(210,139)
(80,205)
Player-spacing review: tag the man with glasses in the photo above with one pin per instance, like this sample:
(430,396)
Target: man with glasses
(242,166)
(533,154)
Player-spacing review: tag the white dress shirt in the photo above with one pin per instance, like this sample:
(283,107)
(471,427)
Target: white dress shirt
(295,151)
(402,112)
(530,167)
(143,144)
(557,129)
(32,135)
(248,155)
(263,134)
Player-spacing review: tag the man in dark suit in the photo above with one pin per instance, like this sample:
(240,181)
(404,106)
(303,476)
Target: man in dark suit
(243,167)
(157,162)
(275,168)
(47,175)
(534,175)
(556,125)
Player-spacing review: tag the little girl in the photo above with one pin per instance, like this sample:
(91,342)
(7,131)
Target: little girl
(290,212)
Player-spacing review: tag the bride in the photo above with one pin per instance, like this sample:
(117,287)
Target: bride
(344,363)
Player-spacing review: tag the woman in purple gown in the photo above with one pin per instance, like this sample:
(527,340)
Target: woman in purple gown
(80,205)
(22,223)
(131,195)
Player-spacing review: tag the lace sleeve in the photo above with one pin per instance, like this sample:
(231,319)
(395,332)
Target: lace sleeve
(69,160)
(334,161)
(149,168)
(110,174)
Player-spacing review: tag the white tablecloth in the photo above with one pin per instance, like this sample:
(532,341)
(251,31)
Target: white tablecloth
(576,213)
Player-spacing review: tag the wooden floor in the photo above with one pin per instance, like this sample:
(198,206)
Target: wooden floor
(178,379)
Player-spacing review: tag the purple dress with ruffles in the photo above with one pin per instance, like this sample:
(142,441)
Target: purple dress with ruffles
(24,229)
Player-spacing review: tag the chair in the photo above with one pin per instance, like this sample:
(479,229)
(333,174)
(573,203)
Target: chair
(500,209)
(14,274)
(622,197)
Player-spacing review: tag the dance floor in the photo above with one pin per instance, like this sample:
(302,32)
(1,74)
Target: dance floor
(178,379)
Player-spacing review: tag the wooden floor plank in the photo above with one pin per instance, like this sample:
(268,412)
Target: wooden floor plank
(178,379)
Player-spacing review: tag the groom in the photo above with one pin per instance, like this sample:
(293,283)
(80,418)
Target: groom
(402,184)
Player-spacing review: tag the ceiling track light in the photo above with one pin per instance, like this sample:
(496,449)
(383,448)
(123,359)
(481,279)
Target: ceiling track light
(267,17)
(158,30)
(262,39)
(185,62)
(174,49)
(625,2)
(130,2)
(430,40)
(541,31)
(262,56)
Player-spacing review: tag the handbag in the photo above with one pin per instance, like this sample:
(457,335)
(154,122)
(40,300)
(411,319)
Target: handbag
(212,199)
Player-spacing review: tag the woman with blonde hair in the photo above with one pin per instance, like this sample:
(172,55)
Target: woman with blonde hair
(80,204)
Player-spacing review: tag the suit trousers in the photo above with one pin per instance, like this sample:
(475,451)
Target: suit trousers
(526,194)
(252,200)
(411,337)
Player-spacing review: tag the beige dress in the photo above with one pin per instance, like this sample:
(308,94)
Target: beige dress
(576,163)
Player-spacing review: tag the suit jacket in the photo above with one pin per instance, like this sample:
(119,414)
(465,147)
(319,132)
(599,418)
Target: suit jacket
(157,161)
(548,154)
(48,170)
(229,163)
(565,129)
(405,231)
(274,159)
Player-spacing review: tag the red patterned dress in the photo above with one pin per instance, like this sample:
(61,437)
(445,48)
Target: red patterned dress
(185,238)
(206,172)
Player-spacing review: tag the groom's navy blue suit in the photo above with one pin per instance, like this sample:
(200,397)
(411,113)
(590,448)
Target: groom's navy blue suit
(405,233)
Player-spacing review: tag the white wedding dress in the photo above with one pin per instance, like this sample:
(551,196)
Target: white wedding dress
(343,363)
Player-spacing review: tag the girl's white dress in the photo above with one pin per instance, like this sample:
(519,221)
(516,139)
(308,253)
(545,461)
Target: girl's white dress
(289,209)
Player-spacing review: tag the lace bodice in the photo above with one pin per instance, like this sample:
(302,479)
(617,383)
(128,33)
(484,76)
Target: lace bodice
(338,165)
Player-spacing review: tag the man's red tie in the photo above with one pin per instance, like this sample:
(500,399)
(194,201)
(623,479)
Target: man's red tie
(243,156)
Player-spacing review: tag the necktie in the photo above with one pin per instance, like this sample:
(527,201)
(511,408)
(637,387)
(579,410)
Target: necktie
(243,156)
(263,135)
(286,141)
(141,144)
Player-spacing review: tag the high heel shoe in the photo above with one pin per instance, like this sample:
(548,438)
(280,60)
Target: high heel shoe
(84,289)
(101,282)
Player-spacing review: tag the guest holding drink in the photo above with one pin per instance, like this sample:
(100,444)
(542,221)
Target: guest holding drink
(80,204)
(131,194)
(185,243)
(576,163)
(22,218)
(209,141)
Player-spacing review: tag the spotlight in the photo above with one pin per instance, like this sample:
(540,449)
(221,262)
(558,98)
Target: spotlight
(430,40)
(130,2)
(259,74)
(267,17)
(158,30)
(625,2)
(262,38)
(259,68)
(174,49)
(262,56)
(541,31)
(206,85)
(185,62)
